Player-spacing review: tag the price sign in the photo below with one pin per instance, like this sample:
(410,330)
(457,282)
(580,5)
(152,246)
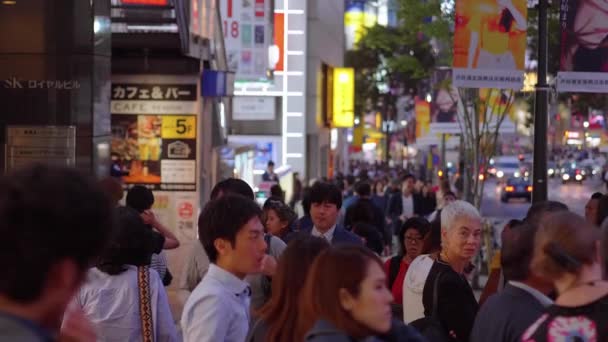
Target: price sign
(178,127)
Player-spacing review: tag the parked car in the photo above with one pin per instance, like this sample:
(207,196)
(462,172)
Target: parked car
(516,188)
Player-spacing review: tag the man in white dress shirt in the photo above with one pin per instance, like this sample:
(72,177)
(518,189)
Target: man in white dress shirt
(232,235)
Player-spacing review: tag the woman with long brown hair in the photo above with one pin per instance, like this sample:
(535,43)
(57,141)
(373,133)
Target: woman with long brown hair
(346,298)
(276,321)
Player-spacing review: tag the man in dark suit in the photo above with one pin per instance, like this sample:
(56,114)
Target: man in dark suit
(326,200)
(365,211)
(506,315)
(404,205)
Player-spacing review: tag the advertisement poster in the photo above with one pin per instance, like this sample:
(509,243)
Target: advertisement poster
(444,105)
(584,46)
(154,135)
(490,43)
(247,32)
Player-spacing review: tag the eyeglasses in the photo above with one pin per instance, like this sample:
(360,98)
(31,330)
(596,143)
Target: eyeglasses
(413,239)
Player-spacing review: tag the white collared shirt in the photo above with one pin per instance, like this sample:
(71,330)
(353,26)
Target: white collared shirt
(328,235)
(408,205)
(111,303)
(217,309)
(544,300)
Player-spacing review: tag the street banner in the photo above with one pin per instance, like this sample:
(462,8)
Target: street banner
(490,44)
(584,46)
(444,104)
(423,118)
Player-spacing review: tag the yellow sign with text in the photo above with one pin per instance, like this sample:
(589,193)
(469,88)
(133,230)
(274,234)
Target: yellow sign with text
(178,127)
(344,97)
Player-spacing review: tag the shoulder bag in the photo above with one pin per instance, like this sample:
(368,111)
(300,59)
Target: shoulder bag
(430,327)
(145,304)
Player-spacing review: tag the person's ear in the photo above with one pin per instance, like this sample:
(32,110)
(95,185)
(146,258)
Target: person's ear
(222,246)
(346,300)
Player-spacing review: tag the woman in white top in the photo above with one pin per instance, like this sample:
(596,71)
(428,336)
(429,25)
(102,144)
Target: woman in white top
(110,296)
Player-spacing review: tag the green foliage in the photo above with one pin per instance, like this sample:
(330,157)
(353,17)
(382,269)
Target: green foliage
(402,55)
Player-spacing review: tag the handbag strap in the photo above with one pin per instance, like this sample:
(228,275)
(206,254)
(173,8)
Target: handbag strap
(145,304)
(435,312)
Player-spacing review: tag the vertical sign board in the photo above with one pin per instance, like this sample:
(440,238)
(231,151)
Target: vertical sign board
(40,144)
(343,97)
(154,144)
(247,36)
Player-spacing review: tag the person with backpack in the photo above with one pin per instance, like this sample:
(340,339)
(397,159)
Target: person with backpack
(410,237)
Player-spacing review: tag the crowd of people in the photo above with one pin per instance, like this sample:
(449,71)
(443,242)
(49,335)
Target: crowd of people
(369,260)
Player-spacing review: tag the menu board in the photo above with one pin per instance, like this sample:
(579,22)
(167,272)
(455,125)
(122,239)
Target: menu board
(151,145)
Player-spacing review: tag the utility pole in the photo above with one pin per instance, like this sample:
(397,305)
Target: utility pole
(539,191)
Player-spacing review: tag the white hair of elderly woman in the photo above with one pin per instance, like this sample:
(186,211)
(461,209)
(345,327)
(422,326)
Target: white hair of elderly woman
(455,211)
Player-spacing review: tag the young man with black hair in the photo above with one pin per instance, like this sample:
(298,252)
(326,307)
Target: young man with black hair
(326,200)
(232,234)
(505,316)
(197,263)
(55,223)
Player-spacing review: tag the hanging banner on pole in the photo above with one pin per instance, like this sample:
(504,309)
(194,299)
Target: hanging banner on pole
(584,46)
(490,44)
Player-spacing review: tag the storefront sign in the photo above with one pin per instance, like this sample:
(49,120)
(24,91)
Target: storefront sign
(343,97)
(154,134)
(40,144)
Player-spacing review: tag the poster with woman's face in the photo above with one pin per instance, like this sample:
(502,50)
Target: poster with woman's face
(584,46)
(444,105)
(490,43)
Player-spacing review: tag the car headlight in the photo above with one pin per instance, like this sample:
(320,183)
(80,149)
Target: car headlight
(579,177)
(516,174)
(500,174)
(551,172)
(526,174)
(566,176)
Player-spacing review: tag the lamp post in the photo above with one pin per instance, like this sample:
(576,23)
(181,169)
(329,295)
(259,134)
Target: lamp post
(539,190)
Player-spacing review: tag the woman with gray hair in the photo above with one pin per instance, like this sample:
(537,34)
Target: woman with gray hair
(447,297)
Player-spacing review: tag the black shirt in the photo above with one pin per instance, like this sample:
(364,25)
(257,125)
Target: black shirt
(457,305)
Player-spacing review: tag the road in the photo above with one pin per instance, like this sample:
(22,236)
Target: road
(575,196)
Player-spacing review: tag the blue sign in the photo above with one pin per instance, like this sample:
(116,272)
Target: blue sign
(213,83)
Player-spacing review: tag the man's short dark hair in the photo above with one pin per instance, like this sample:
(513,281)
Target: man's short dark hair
(350,180)
(408,176)
(537,210)
(449,193)
(270,163)
(140,198)
(326,193)
(363,189)
(48,214)
(597,196)
(129,245)
(517,251)
(232,186)
(223,218)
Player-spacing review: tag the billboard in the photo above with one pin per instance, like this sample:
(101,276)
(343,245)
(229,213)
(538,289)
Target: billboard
(358,16)
(584,46)
(490,43)
(247,29)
